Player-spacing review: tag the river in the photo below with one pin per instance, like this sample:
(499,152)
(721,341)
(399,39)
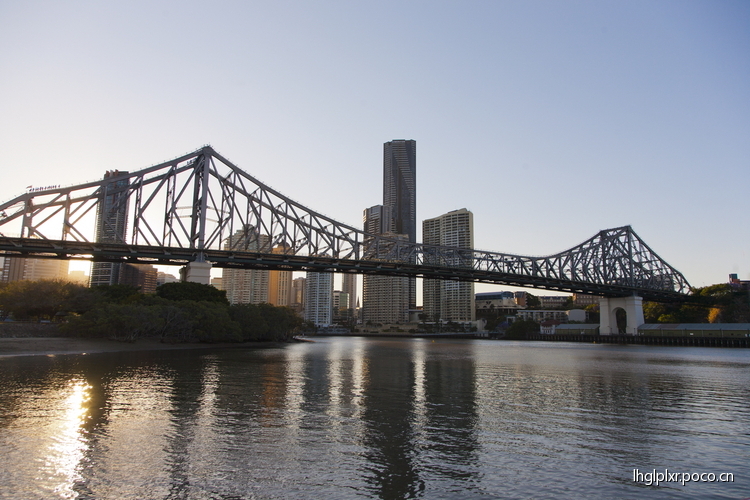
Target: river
(343,418)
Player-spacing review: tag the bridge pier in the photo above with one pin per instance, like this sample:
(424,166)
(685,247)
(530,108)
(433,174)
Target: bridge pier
(608,306)
(197,272)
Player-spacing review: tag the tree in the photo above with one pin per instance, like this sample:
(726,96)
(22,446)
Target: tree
(42,299)
(125,322)
(265,322)
(192,291)
(250,320)
(119,294)
(532,301)
(521,328)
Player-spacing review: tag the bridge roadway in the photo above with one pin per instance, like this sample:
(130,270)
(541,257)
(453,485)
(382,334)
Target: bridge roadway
(146,254)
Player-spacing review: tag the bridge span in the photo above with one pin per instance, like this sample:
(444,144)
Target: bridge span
(201,210)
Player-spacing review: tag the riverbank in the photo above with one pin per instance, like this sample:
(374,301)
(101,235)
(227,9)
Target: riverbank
(49,346)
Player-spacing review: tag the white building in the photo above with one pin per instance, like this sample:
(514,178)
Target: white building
(246,286)
(319,298)
(449,300)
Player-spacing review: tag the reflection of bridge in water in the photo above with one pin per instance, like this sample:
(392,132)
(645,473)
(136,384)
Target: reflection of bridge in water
(183,212)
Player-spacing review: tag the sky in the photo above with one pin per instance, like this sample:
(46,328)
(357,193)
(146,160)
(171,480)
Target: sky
(549,120)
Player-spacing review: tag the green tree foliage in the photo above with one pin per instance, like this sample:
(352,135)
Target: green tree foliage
(592,313)
(42,299)
(211,322)
(119,294)
(192,291)
(183,321)
(532,301)
(120,312)
(520,328)
(125,322)
(265,322)
(715,304)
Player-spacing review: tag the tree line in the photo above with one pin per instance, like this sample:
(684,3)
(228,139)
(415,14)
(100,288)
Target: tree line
(177,312)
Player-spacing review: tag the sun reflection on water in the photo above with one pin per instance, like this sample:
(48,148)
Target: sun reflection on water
(66,454)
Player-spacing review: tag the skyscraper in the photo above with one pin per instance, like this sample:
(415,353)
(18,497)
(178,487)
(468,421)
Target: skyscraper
(349,287)
(111,225)
(319,298)
(445,299)
(298,295)
(385,299)
(246,286)
(400,193)
(280,282)
(19,268)
(399,185)
(143,276)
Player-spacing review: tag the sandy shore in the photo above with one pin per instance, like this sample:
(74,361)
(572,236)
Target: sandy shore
(41,346)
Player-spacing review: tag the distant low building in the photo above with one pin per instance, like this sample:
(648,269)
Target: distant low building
(540,315)
(738,283)
(582,300)
(553,301)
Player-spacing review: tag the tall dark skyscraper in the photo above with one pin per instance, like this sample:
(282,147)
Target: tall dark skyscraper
(400,193)
(111,226)
(399,185)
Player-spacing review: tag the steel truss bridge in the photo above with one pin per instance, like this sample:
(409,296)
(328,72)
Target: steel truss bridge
(200,207)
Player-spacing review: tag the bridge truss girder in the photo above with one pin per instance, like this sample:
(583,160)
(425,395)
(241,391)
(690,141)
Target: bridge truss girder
(202,207)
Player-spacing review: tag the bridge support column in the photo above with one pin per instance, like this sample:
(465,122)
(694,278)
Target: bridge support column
(608,306)
(197,272)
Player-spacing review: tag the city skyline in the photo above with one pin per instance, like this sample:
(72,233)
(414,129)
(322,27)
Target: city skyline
(549,122)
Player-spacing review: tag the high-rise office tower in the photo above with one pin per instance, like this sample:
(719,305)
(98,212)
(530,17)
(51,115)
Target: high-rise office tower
(143,276)
(385,299)
(280,282)
(298,295)
(349,287)
(341,308)
(19,268)
(400,193)
(246,286)
(399,185)
(378,220)
(319,298)
(445,299)
(111,226)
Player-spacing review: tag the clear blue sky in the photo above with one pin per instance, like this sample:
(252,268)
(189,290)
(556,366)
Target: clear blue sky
(550,120)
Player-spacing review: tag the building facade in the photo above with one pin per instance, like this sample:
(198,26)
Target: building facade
(385,299)
(298,295)
(246,286)
(142,276)
(319,298)
(449,300)
(400,194)
(349,287)
(111,226)
(280,282)
(19,268)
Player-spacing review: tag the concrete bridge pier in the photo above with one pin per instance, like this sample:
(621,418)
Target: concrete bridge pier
(608,308)
(197,272)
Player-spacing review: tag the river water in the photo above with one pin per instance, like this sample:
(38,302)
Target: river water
(372,418)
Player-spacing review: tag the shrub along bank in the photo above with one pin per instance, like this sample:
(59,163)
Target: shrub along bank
(178,312)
